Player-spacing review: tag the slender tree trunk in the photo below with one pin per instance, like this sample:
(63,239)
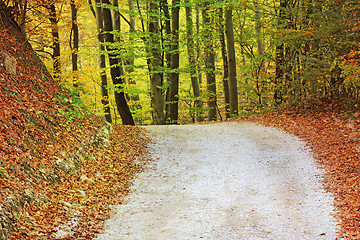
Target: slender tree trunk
(56,41)
(198,48)
(116,72)
(279,73)
(116,20)
(209,64)
(233,92)
(280,55)
(260,49)
(102,63)
(259,39)
(154,63)
(165,39)
(192,61)
(130,60)
(308,5)
(75,42)
(174,64)
(116,17)
(165,29)
(225,63)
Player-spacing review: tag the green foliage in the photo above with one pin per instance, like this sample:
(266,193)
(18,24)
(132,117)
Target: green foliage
(317,41)
(72,106)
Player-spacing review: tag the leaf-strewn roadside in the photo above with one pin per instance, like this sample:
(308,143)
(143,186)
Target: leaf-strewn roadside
(78,206)
(335,141)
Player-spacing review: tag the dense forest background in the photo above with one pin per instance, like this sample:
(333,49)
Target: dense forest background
(162,61)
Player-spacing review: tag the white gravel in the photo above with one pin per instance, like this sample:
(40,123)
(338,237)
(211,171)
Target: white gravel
(225,181)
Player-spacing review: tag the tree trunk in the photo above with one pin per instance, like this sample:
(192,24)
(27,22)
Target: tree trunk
(102,64)
(75,43)
(116,20)
(116,72)
(259,40)
(260,49)
(56,43)
(198,48)
(165,25)
(209,64)
(280,55)
(225,63)
(192,62)
(233,92)
(154,63)
(165,38)
(130,59)
(174,65)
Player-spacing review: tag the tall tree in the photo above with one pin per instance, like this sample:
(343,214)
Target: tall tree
(209,61)
(174,64)
(116,20)
(74,42)
(191,48)
(116,71)
(233,92)
(224,55)
(102,60)
(259,72)
(155,64)
(165,28)
(56,41)
(130,60)
(280,54)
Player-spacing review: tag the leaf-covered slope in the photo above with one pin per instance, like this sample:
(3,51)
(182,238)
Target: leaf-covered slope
(60,167)
(40,138)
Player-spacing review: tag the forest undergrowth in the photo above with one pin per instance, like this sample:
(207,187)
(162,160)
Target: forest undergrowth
(334,137)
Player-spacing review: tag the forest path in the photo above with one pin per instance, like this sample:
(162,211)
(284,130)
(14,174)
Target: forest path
(225,181)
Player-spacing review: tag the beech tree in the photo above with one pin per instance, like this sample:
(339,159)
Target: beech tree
(116,71)
(56,41)
(233,90)
(74,41)
(209,61)
(224,54)
(102,59)
(193,66)
(155,62)
(174,64)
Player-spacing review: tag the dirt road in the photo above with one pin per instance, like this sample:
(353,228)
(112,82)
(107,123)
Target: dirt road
(225,181)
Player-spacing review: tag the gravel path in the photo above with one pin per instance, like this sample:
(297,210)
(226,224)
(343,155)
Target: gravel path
(225,181)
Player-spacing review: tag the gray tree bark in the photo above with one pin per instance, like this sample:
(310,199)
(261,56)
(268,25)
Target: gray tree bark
(260,49)
(209,63)
(154,63)
(74,42)
(116,72)
(174,64)
(233,92)
(129,66)
(56,42)
(102,63)
(225,63)
(191,48)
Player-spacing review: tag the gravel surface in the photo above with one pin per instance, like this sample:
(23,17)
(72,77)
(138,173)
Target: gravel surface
(225,181)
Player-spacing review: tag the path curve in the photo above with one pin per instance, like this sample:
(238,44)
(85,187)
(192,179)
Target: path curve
(225,181)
